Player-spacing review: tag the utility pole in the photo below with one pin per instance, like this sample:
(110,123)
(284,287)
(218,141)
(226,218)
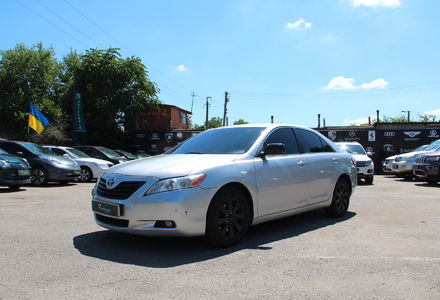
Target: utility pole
(319,120)
(207,111)
(192,101)
(225,111)
(271,119)
(408,112)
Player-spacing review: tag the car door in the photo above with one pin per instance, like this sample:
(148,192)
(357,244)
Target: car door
(322,162)
(280,178)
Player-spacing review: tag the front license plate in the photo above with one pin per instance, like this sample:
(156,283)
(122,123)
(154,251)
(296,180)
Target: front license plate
(106,208)
(24,172)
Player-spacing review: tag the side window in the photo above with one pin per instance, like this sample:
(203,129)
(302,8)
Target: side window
(11,148)
(326,147)
(311,142)
(285,136)
(58,151)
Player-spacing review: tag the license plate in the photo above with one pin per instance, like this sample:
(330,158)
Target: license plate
(106,208)
(24,172)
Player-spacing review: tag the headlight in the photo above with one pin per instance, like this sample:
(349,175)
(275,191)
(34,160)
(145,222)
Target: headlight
(101,166)
(177,183)
(4,163)
(433,158)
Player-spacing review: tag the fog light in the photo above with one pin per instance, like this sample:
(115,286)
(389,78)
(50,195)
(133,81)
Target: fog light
(165,224)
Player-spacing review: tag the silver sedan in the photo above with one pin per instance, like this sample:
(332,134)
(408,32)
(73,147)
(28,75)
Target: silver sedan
(221,181)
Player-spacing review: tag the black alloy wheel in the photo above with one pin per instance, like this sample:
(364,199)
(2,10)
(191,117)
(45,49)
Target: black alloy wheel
(38,176)
(228,218)
(85,175)
(341,199)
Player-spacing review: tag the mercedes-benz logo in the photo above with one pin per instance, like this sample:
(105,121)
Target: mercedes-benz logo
(110,183)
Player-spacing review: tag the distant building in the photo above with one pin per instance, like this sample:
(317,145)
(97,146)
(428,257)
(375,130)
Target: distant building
(167,118)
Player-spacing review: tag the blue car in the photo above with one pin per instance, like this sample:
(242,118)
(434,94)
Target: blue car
(14,171)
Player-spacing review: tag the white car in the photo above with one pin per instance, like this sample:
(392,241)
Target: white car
(91,168)
(403,164)
(364,164)
(221,181)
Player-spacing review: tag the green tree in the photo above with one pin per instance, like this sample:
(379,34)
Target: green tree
(28,75)
(240,122)
(428,118)
(114,91)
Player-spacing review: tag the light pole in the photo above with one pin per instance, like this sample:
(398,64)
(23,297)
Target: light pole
(408,112)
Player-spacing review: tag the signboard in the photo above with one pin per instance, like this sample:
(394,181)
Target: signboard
(78,113)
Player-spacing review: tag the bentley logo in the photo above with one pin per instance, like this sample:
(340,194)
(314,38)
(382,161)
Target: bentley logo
(110,183)
(412,134)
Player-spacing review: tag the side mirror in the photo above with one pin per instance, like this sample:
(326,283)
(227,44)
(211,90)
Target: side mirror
(274,148)
(66,155)
(369,154)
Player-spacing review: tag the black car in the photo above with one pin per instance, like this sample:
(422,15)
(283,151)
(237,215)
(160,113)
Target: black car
(102,153)
(427,167)
(126,154)
(46,165)
(14,171)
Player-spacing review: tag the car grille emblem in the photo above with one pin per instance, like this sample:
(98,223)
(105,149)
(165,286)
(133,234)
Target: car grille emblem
(110,183)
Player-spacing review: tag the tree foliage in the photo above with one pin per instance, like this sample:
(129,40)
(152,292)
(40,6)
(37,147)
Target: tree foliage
(240,122)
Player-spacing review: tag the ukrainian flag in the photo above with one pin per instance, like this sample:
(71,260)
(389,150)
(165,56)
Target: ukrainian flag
(36,119)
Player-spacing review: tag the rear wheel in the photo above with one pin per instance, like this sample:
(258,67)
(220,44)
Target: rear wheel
(227,218)
(341,199)
(369,179)
(38,176)
(85,174)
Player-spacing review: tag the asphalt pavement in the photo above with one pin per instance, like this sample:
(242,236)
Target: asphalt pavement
(387,247)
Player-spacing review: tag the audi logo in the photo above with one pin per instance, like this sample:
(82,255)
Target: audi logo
(389,133)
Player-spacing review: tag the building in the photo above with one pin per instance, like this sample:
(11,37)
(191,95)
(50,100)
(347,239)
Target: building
(167,118)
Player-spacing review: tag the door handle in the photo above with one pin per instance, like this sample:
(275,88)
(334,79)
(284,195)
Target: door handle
(335,159)
(301,163)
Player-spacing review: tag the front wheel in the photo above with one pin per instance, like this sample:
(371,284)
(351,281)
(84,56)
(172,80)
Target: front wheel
(369,179)
(38,176)
(340,200)
(85,174)
(227,218)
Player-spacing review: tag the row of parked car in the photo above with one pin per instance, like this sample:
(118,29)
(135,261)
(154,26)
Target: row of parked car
(422,163)
(25,162)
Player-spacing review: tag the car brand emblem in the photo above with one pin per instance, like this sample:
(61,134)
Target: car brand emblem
(433,134)
(332,135)
(371,135)
(369,149)
(110,183)
(169,137)
(179,135)
(352,133)
(389,133)
(388,148)
(412,134)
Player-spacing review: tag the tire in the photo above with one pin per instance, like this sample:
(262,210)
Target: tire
(228,218)
(432,181)
(39,176)
(85,174)
(14,187)
(369,179)
(340,200)
(407,177)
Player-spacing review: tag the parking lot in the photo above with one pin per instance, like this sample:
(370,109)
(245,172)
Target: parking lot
(387,247)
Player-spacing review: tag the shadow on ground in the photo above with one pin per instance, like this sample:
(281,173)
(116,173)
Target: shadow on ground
(158,252)
(5,190)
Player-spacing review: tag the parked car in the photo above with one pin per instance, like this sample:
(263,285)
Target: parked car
(102,153)
(427,167)
(126,154)
(403,164)
(387,164)
(364,164)
(46,165)
(91,168)
(14,171)
(221,181)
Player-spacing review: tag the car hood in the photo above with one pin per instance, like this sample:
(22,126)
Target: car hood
(171,165)
(12,159)
(92,160)
(410,154)
(361,157)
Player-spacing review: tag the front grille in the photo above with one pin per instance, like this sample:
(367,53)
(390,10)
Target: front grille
(112,221)
(121,192)
(362,163)
(421,160)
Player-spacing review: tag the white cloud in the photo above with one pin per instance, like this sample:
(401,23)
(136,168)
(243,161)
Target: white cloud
(371,3)
(299,24)
(181,68)
(378,83)
(359,121)
(343,83)
(432,112)
(340,83)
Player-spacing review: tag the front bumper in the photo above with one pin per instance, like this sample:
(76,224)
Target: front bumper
(10,176)
(63,174)
(140,214)
(426,171)
(402,167)
(363,172)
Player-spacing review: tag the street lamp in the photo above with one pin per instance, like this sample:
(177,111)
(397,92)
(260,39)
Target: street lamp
(408,112)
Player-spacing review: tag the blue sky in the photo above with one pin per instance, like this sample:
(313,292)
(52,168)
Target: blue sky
(343,59)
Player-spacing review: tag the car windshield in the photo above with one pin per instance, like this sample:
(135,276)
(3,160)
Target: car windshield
(77,153)
(37,149)
(109,153)
(233,140)
(352,149)
(433,146)
(127,154)
(2,152)
(421,148)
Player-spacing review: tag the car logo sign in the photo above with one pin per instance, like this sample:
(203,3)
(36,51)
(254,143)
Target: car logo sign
(412,134)
(110,183)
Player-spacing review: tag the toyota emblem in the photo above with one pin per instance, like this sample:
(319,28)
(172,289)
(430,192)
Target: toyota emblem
(110,183)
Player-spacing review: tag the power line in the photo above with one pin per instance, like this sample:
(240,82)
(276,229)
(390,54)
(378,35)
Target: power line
(67,22)
(51,23)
